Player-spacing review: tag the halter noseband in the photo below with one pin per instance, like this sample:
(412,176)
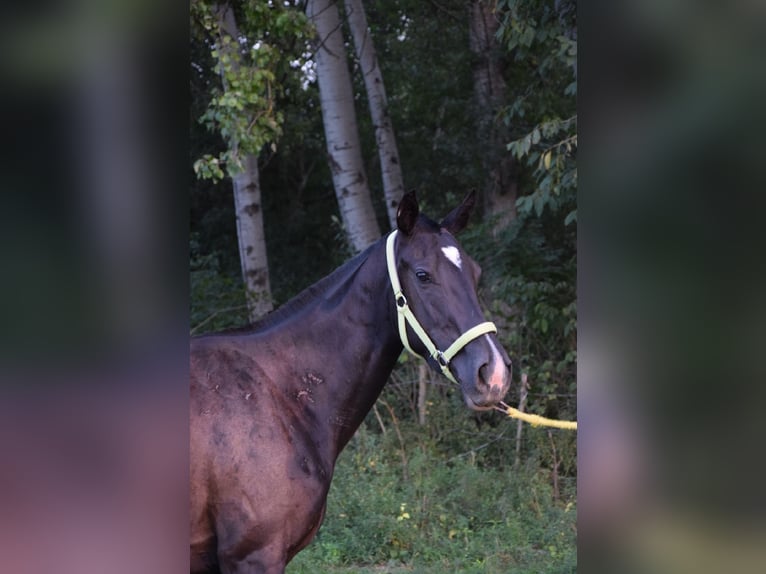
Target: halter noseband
(405,316)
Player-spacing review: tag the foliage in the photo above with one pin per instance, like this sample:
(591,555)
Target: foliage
(530,289)
(274,92)
(541,39)
(549,149)
(533,262)
(450,514)
(224,295)
(243,108)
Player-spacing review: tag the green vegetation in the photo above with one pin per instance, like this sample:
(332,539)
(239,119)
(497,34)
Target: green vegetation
(440,512)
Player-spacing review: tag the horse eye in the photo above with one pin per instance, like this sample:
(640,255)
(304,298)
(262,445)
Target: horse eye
(423,276)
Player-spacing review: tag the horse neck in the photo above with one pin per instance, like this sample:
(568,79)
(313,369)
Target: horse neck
(349,340)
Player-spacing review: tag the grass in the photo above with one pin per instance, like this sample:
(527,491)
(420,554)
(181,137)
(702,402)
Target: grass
(439,514)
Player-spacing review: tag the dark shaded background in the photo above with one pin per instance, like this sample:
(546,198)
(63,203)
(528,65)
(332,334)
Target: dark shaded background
(671,286)
(93,296)
(94,267)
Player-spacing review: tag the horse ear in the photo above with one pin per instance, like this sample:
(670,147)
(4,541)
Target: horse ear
(457,219)
(407,213)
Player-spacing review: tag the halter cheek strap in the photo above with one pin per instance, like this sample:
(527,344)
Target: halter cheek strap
(405,316)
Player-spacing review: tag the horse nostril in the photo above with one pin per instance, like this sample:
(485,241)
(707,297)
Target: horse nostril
(483,374)
(492,378)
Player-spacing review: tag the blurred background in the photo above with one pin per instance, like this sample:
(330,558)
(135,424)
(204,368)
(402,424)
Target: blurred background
(670,287)
(94,289)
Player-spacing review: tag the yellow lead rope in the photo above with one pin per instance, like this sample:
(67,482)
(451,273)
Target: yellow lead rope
(536,420)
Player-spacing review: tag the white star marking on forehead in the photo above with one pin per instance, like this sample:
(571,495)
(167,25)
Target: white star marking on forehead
(453,255)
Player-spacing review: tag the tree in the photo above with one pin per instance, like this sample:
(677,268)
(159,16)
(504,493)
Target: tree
(243,111)
(341,132)
(423,53)
(242,163)
(247,187)
(491,95)
(390,166)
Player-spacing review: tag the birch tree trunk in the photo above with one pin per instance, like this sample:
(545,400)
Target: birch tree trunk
(490,94)
(251,238)
(341,133)
(247,200)
(390,168)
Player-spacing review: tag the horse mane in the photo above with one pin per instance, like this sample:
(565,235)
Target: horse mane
(311,293)
(314,292)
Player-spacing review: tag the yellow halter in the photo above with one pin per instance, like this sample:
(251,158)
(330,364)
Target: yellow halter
(405,316)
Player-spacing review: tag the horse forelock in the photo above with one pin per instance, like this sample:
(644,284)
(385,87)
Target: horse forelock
(425,223)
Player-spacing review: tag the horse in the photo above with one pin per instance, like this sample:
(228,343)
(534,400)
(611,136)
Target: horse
(273,407)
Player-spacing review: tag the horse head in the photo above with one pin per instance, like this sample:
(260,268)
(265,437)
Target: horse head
(434,283)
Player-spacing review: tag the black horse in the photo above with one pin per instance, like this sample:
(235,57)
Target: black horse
(272,408)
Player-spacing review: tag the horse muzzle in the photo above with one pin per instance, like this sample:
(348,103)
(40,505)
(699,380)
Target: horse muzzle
(491,381)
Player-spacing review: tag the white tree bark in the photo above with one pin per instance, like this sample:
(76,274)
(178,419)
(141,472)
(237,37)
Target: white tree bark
(390,168)
(251,237)
(247,204)
(341,132)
